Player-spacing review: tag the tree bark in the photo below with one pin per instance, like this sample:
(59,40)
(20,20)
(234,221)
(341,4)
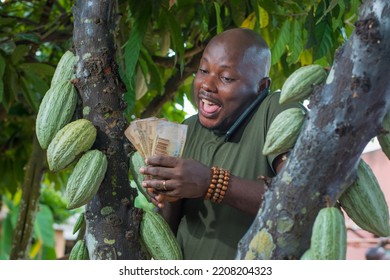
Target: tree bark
(112,221)
(29,203)
(345,115)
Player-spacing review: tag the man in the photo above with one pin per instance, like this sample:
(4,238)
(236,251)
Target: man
(212,208)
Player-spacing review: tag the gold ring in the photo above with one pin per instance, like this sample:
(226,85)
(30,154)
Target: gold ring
(165,185)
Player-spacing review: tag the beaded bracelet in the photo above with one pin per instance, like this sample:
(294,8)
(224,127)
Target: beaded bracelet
(218,185)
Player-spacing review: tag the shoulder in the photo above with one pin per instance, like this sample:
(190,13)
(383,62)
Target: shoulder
(191,121)
(272,107)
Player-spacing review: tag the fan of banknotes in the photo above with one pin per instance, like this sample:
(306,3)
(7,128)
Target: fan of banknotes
(154,136)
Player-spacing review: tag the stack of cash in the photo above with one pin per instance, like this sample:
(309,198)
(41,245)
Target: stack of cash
(153,136)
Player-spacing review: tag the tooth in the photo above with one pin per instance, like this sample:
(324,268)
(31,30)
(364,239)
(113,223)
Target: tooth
(207,102)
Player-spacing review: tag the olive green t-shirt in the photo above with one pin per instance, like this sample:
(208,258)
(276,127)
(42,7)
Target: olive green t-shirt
(212,231)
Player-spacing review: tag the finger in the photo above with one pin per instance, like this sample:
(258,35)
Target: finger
(161,160)
(160,200)
(156,172)
(160,185)
(156,198)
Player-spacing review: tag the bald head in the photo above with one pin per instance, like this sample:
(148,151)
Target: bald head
(247,44)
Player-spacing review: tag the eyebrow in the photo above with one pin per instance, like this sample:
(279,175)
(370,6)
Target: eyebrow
(222,66)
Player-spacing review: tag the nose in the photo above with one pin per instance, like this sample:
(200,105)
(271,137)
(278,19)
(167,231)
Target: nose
(208,83)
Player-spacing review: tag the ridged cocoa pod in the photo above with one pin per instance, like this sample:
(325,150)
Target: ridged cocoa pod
(329,235)
(55,111)
(79,251)
(158,237)
(365,203)
(72,140)
(384,139)
(85,179)
(300,84)
(65,68)
(284,131)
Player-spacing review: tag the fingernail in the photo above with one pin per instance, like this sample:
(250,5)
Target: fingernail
(142,170)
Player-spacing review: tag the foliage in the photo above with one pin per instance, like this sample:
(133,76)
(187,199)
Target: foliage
(52,209)
(156,40)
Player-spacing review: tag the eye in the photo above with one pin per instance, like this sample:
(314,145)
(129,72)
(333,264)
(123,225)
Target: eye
(227,79)
(202,70)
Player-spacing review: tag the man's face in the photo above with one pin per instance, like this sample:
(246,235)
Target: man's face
(226,82)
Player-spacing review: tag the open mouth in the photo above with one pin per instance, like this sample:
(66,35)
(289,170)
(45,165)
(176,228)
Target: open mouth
(208,108)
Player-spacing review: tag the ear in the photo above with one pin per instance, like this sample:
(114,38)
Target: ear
(264,84)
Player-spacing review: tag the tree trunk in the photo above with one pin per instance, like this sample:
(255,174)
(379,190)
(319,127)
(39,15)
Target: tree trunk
(112,221)
(345,115)
(29,203)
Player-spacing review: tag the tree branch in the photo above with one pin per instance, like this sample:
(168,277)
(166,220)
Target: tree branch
(112,221)
(29,203)
(345,115)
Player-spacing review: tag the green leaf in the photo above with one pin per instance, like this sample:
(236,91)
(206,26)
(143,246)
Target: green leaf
(36,85)
(29,36)
(30,95)
(132,51)
(48,253)
(281,41)
(156,82)
(332,4)
(19,53)
(133,45)
(271,7)
(43,227)
(11,86)
(218,16)
(2,68)
(324,38)
(237,11)
(176,36)
(6,237)
(41,69)
(295,43)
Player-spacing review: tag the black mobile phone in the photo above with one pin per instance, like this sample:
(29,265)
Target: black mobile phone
(263,94)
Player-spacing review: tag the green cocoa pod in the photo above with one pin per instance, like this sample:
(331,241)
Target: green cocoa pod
(55,111)
(365,203)
(306,255)
(79,223)
(136,162)
(79,251)
(85,179)
(65,68)
(300,84)
(158,237)
(69,142)
(384,139)
(329,235)
(284,131)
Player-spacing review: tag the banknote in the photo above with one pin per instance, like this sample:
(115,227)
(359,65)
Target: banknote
(170,139)
(153,136)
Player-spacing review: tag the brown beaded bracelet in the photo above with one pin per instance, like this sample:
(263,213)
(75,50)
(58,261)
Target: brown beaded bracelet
(218,185)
